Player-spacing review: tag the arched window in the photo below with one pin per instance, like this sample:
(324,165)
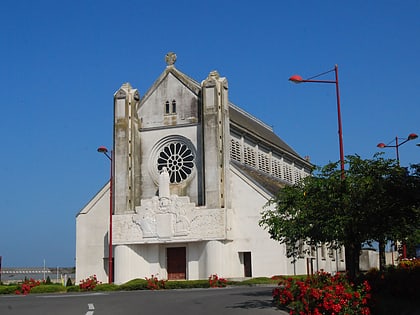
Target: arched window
(167,107)
(173,107)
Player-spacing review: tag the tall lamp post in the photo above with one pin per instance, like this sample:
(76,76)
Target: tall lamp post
(381,145)
(104,150)
(411,136)
(298,79)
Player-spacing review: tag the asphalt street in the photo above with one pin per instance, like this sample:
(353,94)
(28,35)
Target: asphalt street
(231,300)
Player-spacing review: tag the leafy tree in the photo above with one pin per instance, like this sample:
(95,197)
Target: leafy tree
(373,200)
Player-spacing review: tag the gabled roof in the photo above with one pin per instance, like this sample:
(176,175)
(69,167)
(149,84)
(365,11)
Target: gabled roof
(92,202)
(190,83)
(239,119)
(246,123)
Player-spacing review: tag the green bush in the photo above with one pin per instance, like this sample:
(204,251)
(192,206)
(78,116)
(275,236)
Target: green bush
(69,283)
(8,289)
(187,284)
(48,288)
(136,284)
(73,288)
(106,287)
(260,280)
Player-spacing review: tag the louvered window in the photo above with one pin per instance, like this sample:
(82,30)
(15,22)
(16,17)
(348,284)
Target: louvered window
(249,156)
(287,172)
(276,168)
(235,150)
(264,162)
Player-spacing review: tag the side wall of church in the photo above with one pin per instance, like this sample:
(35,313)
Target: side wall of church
(92,225)
(268,257)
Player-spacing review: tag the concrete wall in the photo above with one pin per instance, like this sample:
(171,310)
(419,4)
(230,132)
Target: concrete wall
(92,225)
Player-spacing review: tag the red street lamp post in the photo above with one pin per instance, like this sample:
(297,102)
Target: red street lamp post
(411,136)
(381,145)
(298,79)
(104,150)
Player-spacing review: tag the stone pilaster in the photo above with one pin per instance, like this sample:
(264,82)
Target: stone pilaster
(125,160)
(216,140)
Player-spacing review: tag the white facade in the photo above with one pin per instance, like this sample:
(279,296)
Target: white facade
(191,175)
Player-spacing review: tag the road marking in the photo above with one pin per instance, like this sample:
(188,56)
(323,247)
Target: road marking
(91,308)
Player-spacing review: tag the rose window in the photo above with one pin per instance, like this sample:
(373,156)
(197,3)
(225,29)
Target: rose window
(178,159)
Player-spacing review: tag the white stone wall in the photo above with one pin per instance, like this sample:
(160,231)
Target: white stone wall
(149,181)
(92,225)
(268,256)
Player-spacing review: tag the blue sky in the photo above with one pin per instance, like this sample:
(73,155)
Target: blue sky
(62,61)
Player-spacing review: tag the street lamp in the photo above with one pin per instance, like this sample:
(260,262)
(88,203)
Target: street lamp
(382,145)
(411,136)
(104,150)
(298,79)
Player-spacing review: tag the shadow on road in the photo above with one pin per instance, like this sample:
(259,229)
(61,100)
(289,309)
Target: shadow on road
(262,299)
(254,304)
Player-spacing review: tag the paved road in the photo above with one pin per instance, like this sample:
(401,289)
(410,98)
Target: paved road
(232,301)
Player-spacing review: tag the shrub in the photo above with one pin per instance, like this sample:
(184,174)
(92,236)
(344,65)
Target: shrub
(73,288)
(409,264)
(323,294)
(106,287)
(8,289)
(260,280)
(48,288)
(153,283)
(89,284)
(397,289)
(174,284)
(69,283)
(26,286)
(216,282)
(135,284)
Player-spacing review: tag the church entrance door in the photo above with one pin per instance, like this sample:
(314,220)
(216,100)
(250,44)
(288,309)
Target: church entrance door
(176,263)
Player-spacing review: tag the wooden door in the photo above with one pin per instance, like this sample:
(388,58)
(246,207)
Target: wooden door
(247,264)
(176,263)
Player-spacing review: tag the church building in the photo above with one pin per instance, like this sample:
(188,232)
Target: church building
(192,173)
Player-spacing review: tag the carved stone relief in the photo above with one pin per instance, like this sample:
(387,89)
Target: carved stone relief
(162,219)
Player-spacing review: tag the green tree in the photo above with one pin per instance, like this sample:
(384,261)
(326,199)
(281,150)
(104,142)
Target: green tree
(374,200)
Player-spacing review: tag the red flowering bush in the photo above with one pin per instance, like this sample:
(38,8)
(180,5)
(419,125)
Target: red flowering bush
(323,294)
(412,263)
(89,284)
(26,286)
(153,283)
(216,282)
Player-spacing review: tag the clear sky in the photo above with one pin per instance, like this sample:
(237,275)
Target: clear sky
(62,61)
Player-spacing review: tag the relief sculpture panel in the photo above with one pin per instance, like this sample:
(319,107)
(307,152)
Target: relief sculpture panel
(169,219)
